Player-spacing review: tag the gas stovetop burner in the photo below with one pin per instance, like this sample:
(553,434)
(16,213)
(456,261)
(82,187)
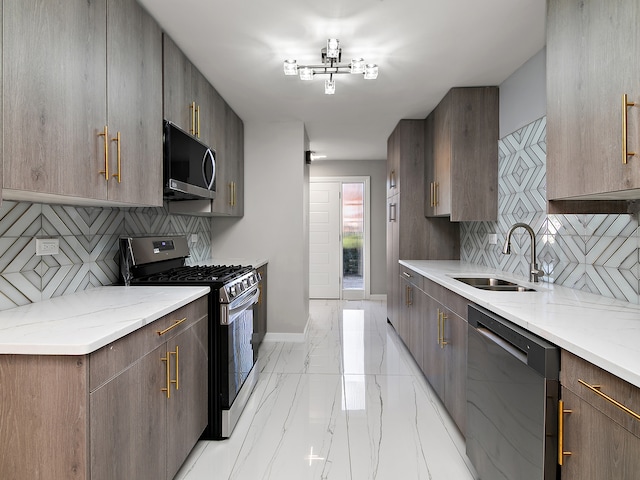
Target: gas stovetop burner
(210,273)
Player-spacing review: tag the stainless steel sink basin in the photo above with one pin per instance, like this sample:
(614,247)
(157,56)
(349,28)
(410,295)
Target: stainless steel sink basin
(494,284)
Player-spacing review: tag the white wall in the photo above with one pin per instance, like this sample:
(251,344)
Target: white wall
(275,223)
(377,170)
(523,96)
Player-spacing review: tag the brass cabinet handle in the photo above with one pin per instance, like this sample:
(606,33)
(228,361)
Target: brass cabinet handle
(561,412)
(198,121)
(177,380)
(105,134)
(435,194)
(167,359)
(596,389)
(192,129)
(175,324)
(117,175)
(392,212)
(625,105)
(408,296)
(441,318)
(232,194)
(431,193)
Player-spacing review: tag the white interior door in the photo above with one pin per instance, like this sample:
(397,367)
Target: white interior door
(324,240)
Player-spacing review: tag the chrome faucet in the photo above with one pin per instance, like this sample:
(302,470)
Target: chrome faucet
(534,271)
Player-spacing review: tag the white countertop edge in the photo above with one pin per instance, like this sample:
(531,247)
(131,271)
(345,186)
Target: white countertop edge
(551,313)
(45,328)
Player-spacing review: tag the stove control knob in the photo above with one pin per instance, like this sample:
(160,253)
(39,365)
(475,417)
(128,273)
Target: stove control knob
(240,287)
(232,291)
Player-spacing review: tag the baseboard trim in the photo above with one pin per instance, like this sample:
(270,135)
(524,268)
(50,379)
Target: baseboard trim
(288,337)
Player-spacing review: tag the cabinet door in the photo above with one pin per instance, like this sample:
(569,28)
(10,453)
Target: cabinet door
(600,447)
(134,55)
(433,365)
(592,53)
(54,87)
(455,352)
(177,72)
(442,157)
(260,319)
(187,409)
(128,423)
(393,164)
(235,159)
(393,280)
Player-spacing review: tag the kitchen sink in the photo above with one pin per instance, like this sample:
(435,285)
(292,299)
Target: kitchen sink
(493,284)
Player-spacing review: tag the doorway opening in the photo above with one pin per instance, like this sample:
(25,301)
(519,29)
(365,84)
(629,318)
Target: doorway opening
(339,238)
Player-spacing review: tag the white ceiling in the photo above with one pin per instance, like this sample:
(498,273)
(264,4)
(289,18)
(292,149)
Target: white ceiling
(422,47)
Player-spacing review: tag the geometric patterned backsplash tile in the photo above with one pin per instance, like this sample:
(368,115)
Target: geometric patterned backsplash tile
(594,253)
(88,239)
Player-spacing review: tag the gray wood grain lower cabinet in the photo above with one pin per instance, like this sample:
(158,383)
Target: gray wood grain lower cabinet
(604,440)
(433,325)
(105,415)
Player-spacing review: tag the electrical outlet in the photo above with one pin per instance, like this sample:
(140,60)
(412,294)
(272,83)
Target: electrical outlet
(47,246)
(493,239)
(194,238)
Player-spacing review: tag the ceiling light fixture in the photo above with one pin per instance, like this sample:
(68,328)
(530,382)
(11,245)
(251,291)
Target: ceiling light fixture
(331,57)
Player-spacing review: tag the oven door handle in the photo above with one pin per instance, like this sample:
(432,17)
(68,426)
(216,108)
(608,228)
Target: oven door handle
(232,312)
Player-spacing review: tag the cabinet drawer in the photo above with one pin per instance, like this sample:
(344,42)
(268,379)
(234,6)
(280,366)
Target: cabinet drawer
(412,277)
(574,370)
(113,358)
(454,302)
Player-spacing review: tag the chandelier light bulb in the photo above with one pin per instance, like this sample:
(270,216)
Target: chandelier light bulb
(306,73)
(357,65)
(290,67)
(371,71)
(329,87)
(333,48)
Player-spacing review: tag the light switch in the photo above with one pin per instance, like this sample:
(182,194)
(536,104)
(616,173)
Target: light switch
(47,246)
(493,239)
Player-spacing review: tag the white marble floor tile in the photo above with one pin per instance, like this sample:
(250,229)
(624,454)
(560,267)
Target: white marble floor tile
(299,432)
(347,403)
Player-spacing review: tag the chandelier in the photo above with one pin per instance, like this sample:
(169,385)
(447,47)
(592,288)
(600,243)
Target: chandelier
(331,57)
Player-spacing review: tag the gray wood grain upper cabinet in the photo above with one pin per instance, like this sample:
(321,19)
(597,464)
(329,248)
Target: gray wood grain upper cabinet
(193,104)
(409,234)
(71,68)
(461,153)
(134,104)
(592,61)
(187,94)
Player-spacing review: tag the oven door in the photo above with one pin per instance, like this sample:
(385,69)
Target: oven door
(236,322)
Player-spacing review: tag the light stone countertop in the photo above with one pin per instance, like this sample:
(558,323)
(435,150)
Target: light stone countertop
(603,331)
(83,322)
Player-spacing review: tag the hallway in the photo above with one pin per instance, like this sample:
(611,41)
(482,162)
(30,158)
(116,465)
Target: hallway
(348,403)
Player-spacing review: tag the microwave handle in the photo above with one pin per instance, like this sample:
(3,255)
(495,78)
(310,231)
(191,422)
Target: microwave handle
(208,154)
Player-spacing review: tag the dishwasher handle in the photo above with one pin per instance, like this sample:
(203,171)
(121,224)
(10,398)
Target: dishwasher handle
(540,355)
(504,344)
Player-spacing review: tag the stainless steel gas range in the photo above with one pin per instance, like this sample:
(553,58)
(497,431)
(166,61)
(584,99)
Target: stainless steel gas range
(234,294)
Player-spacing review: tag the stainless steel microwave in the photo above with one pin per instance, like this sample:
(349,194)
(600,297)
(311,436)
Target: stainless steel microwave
(189,166)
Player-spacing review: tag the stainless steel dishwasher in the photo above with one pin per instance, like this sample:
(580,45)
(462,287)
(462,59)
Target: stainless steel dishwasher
(512,400)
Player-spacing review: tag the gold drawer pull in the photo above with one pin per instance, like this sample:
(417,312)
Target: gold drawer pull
(105,134)
(595,389)
(176,381)
(177,322)
(625,105)
(118,174)
(561,452)
(167,359)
